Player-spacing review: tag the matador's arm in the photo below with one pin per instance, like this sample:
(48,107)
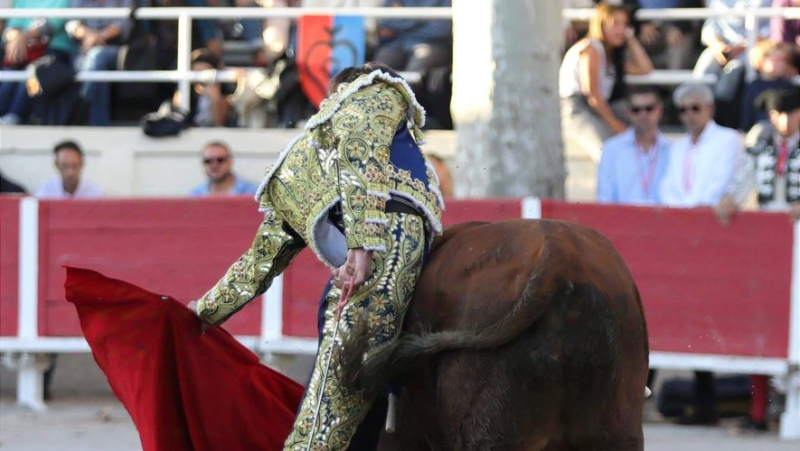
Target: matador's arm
(272,249)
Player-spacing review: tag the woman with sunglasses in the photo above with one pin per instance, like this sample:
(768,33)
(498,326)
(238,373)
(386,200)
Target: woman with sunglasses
(587,77)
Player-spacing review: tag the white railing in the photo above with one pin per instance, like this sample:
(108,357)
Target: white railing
(184,76)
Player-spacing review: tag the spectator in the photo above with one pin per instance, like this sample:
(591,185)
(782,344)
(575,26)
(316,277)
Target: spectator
(218,161)
(415,45)
(587,78)
(772,163)
(702,161)
(70,185)
(9,187)
(634,162)
(670,44)
(443,174)
(100,41)
(772,61)
(165,32)
(267,39)
(209,105)
(782,29)
(424,47)
(26,40)
(772,157)
(725,37)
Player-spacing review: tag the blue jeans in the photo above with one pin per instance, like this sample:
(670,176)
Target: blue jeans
(14,99)
(98,94)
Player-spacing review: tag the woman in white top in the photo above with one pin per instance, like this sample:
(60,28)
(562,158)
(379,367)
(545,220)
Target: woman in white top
(588,75)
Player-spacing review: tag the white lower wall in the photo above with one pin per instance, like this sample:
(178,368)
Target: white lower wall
(126,162)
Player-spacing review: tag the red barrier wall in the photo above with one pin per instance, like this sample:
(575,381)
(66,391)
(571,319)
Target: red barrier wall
(177,247)
(9,264)
(705,288)
(304,280)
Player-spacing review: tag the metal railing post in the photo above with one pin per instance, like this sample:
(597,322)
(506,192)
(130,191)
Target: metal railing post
(184,58)
(751,28)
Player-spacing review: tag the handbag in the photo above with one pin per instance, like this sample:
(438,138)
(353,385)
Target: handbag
(169,120)
(48,75)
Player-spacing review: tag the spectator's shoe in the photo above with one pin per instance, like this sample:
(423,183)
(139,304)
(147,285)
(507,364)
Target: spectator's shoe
(748,426)
(698,417)
(10,119)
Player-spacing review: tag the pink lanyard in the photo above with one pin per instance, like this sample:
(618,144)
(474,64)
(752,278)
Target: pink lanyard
(687,167)
(783,158)
(646,175)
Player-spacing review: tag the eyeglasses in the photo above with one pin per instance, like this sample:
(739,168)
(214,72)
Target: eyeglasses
(217,160)
(636,109)
(693,108)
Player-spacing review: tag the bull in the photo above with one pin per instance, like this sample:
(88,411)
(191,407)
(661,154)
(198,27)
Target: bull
(522,335)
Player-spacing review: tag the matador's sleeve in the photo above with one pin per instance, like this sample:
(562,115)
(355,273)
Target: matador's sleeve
(272,250)
(364,127)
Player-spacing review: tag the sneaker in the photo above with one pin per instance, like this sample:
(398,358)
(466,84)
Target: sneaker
(10,119)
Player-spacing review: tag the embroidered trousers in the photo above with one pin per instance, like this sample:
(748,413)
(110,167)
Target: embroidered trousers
(329,416)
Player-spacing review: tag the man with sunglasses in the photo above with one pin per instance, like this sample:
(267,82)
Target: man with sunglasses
(702,161)
(633,163)
(218,163)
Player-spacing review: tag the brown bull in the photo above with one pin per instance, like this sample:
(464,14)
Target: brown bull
(522,335)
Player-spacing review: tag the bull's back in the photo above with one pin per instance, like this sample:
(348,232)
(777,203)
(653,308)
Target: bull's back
(574,370)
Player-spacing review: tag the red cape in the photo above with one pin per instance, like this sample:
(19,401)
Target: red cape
(184,390)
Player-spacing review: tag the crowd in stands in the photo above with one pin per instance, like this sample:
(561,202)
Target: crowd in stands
(618,126)
(266,47)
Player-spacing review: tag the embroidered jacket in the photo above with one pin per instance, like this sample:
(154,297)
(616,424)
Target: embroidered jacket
(765,156)
(359,151)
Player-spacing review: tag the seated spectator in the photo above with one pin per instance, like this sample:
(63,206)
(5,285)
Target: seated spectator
(634,162)
(26,40)
(415,45)
(218,161)
(100,41)
(9,187)
(443,174)
(725,37)
(782,29)
(587,77)
(267,39)
(165,33)
(670,44)
(702,161)
(209,105)
(772,157)
(772,61)
(70,184)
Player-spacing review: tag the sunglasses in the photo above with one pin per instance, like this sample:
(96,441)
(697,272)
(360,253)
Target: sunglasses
(693,108)
(217,160)
(636,109)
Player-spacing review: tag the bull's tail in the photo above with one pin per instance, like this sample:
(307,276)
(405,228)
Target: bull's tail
(390,362)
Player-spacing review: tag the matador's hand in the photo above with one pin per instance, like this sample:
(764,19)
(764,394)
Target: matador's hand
(352,274)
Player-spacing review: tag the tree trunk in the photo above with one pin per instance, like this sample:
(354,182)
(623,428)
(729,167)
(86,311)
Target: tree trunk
(505,98)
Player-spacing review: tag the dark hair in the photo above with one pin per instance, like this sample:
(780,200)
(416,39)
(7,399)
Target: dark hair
(68,145)
(205,56)
(642,89)
(348,74)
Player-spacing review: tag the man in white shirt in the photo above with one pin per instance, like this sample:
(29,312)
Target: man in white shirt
(70,185)
(703,160)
